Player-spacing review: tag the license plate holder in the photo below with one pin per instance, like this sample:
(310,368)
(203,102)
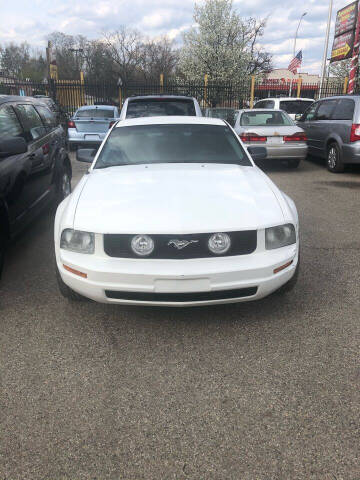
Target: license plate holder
(182,285)
(274,140)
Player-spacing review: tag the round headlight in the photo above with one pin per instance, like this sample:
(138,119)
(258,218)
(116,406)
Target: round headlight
(219,243)
(142,245)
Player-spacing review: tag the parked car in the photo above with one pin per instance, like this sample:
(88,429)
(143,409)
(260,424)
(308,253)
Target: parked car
(160,105)
(174,212)
(294,107)
(227,114)
(35,168)
(332,126)
(284,140)
(90,124)
(60,114)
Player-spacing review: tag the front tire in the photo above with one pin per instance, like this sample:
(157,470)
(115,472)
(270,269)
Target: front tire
(63,184)
(66,291)
(2,251)
(334,161)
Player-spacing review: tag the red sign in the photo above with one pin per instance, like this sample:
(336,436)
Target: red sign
(346,19)
(342,47)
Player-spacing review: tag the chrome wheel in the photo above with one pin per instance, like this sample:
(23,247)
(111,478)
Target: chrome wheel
(65,185)
(332,158)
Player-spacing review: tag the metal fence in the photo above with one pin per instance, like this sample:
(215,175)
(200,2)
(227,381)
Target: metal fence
(70,94)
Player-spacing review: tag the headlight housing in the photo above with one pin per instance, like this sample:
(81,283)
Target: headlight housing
(76,241)
(280,236)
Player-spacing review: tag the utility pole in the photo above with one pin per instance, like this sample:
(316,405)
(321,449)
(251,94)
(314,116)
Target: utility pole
(326,46)
(355,57)
(295,38)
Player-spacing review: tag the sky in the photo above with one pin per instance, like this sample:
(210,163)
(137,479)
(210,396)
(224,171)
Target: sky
(31,20)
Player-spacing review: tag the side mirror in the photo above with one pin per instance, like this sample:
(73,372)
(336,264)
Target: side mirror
(85,155)
(12,146)
(257,153)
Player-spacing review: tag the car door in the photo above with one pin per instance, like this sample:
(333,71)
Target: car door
(36,136)
(307,122)
(322,125)
(13,170)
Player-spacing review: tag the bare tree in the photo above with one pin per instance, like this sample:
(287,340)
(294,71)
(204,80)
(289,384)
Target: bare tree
(125,48)
(158,56)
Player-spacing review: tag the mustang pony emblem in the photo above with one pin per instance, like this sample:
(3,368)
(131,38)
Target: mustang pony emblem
(180,244)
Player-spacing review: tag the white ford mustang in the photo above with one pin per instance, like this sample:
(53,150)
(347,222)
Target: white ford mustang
(174,212)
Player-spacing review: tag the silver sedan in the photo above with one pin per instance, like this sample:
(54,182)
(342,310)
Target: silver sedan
(276,131)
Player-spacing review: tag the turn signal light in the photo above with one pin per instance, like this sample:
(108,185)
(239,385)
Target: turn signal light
(277,270)
(355,132)
(252,137)
(75,272)
(297,137)
(71,124)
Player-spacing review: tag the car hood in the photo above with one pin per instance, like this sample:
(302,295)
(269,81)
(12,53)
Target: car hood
(177,198)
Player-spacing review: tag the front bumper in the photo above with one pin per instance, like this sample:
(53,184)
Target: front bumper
(193,282)
(283,151)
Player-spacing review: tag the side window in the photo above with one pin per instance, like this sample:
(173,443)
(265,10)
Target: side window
(309,114)
(325,109)
(9,123)
(31,121)
(344,110)
(259,104)
(47,117)
(269,104)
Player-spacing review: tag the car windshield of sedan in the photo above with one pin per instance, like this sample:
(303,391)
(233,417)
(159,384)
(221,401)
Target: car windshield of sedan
(260,118)
(176,143)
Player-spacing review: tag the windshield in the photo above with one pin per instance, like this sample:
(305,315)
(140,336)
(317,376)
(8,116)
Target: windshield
(294,106)
(159,107)
(95,113)
(144,144)
(260,118)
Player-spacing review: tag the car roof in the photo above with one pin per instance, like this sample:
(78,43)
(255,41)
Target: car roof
(287,98)
(144,97)
(170,120)
(92,107)
(257,110)
(17,98)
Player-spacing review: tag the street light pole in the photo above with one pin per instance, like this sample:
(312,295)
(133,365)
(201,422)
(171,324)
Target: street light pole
(294,52)
(326,46)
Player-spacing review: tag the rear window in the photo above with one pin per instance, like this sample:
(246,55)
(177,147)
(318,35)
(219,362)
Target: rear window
(264,119)
(95,113)
(146,144)
(159,107)
(294,106)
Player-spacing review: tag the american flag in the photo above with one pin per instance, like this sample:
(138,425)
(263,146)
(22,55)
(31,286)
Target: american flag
(295,63)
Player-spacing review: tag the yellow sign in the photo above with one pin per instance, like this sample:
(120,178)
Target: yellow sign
(53,71)
(342,51)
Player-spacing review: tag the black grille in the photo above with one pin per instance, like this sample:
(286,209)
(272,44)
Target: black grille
(182,297)
(242,243)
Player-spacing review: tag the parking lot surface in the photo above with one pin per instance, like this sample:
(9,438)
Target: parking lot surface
(263,390)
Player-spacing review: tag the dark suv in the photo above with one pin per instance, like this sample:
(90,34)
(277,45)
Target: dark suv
(332,126)
(35,169)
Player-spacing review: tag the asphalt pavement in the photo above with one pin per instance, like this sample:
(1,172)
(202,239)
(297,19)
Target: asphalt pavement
(250,391)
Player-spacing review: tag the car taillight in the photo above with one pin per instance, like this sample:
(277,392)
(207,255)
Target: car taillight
(252,137)
(71,124)
(355,132)
(112,123)
(296,137)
